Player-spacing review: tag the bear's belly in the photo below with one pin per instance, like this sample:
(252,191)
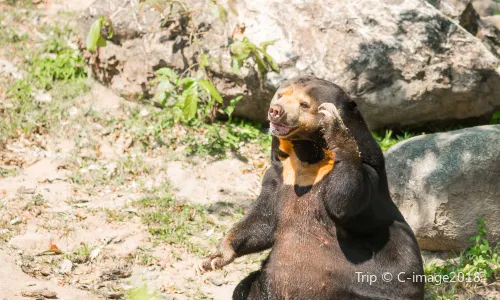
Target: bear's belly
(303,266)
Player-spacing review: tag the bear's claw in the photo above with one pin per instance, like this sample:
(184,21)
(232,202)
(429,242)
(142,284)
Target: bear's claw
(207,265)
(329,110)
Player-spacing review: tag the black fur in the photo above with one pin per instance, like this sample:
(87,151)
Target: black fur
(322,234)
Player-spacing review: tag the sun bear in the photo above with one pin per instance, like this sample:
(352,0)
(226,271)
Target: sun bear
(324,209)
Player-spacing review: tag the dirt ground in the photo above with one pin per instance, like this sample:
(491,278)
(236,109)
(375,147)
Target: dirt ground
(96,204)
(70,225)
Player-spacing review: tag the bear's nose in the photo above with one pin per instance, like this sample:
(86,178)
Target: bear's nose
(275,111)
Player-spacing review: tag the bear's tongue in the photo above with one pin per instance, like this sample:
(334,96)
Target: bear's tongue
(278,129)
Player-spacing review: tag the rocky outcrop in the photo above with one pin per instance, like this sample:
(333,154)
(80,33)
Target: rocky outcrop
(464,13)
(486,7)
(403,61)
(443,182)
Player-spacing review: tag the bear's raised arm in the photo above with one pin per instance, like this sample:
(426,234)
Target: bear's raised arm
(350,186)
(254,233)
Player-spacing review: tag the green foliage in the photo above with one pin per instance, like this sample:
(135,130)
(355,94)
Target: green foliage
(220,137)
(243,49)
(58,62)
(497,7)
(479,262)
(55,68)
(95,37)
(387,140)
(174,222)
(222,11)
(188,97)
(495,119)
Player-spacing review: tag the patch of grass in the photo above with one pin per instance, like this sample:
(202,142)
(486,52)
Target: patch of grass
(479,263)
(36,200)
(53,67)
(115,216)
(81,254)
(144,257)
(91,172)
(220,137)
(387,139)
(4,173)
(495,118)
(174,222)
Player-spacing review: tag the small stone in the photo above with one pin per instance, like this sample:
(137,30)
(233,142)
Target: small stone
(216,282)
(152,268)
(43,97)
(66,267)
(144,112)
(16,221)
(40,293)
(30,283)
(45,271)
(25,190)
(72,111)
(94,253)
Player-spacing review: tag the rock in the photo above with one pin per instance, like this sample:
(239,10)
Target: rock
(7,69)
(494,20)
(16,221)
(40,293)
(45,270)
(43,97)
(65,267)
(486,7)
(406,64)
(464,13)
(443,182)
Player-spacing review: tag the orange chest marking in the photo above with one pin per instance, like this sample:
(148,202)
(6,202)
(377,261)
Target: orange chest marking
(297,172)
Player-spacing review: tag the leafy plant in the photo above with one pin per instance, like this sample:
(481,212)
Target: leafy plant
(187,94)
(387,140)
(53,65)
(479,262)
(59,63)
(495,119)
(100,30)
(220,137)
(242,49)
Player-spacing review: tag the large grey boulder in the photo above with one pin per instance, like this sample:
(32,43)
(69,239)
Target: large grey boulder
(403,61)
(443,182)
(464,13)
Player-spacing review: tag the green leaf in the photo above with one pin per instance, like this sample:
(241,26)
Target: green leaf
(211,90)
(186,81)
(271,62)
(169,73)
(264,45)
(204,60)
(94,34)
(190,106)
(236,66)
(222,13)
(101,42)
(260,62)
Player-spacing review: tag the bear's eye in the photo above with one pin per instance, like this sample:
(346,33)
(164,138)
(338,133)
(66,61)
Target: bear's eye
(304,105)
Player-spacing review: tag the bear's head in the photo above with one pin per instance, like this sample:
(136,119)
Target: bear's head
(293,113)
